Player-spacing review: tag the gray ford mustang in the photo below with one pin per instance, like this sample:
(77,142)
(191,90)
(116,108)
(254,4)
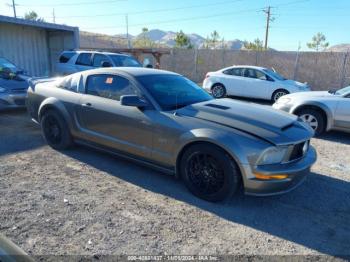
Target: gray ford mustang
(166,121)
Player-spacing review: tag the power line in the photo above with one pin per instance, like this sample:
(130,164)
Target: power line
(73,4)
(152,10)
(180,20)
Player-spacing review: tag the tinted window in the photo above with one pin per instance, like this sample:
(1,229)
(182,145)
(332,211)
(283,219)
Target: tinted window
(70,83)
(233,71)
(109,86)
(99,59)
(274,74)
(172,91)
(64,58)
(84,59)
(123,60)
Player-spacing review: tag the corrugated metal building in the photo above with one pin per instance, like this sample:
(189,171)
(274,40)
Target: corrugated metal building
(35,46)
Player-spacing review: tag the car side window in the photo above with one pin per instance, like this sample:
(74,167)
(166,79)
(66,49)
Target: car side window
(66,56)
(84,59)
(233,71)
(109,86)
(99,59)
(251,73)
(260,75)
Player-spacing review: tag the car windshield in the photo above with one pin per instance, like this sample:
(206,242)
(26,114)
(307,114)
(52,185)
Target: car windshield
(274,74)
(173,91)
(343,91)
(123,60)
(4,63)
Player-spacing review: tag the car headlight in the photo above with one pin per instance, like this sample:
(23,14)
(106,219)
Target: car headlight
(273,155)
(2,89)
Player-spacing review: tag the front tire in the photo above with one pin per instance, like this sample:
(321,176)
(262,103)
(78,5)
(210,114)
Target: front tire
(218,91)
(55,130)
(209,172)
(278,94)
(314,119)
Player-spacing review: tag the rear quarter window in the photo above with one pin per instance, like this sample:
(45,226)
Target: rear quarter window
(65,57)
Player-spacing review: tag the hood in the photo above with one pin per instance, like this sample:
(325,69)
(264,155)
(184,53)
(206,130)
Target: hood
(295,83)
(274,126)
(18,82)
(311,95)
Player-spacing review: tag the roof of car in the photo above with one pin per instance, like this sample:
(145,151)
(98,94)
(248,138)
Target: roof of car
(245,66)
(94,52)
(133,71)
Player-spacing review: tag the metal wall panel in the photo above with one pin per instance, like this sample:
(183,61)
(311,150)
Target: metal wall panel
(35,49)
(25,46)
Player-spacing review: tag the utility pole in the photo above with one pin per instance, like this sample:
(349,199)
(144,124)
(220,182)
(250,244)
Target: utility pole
(127,30)
(53,16)
(267,11)
(14,8)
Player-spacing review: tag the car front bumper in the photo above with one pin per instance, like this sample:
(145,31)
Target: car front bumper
(8,100)
(284,107)
(296,171)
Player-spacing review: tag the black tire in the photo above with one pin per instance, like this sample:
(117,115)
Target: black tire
(277,94)
(221,94)
(55,130)
(220,172)
(321,121)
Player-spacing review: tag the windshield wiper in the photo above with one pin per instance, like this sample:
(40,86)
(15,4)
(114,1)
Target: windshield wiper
(332,91)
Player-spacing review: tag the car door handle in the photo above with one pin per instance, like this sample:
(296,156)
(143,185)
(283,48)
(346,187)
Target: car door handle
(87,105)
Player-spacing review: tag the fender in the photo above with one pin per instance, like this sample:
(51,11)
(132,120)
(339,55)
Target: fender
(54,103)
(325,108)
(242,156)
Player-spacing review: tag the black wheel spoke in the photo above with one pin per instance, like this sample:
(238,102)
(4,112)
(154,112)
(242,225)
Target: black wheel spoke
(205,173)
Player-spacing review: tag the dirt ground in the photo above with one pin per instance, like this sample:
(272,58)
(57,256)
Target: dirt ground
(84,202)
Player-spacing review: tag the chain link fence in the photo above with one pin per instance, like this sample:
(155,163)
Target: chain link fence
(322,70)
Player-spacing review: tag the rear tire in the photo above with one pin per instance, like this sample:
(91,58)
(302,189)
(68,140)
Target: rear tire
(277,94)
(218,91)
(209,172)
(315,119)
(55,130)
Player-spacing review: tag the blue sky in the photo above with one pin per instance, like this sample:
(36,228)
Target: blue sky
(294,20)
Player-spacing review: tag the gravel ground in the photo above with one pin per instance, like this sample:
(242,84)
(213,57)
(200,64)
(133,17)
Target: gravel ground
(84,202)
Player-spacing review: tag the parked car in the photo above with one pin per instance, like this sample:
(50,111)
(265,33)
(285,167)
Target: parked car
(13,85)
(250,81)
(75,61)
(164,120)
(322,110)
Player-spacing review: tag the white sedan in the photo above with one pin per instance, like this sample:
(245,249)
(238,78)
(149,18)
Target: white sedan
(251,82)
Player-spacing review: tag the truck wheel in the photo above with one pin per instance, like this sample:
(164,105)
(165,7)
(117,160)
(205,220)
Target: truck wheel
(55,130)
(209,172)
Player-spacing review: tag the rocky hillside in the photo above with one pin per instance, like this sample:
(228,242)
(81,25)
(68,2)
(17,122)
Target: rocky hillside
(163,38)
(339,48)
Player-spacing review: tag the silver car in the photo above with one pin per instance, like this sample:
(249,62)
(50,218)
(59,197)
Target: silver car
(71,62)
(322,110)
(164,120)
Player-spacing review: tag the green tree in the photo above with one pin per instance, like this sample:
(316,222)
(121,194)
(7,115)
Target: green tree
(182,40)
(32,15)
(318,42)
(256,45)
(212,41)
(143,41)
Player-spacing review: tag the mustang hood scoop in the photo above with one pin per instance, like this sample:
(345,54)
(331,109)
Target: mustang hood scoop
(274,126)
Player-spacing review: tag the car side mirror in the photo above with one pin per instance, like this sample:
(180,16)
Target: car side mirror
(106,64)
(133,100)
